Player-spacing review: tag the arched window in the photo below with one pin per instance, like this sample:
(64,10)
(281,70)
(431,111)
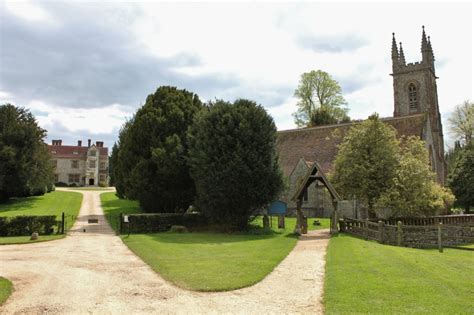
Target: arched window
(412,97)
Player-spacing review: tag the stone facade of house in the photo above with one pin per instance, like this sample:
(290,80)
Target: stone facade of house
(80,165)
(416,113)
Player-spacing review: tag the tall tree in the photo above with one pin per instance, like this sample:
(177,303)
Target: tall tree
(152,152)
(25,167)
(414,191)
(461,122)
(234,162)
(320,100)
(461,177)
(365,166)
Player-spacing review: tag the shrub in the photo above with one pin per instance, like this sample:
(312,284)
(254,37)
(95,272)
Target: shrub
(149,161)
(161,222)
(61,184)
(233,162)
(25,225)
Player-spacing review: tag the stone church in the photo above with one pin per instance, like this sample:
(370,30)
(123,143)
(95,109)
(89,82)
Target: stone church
(416,113)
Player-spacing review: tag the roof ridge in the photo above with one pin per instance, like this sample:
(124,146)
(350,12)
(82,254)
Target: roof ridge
(347,124)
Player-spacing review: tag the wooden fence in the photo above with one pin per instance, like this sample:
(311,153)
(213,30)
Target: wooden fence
(458,220)
(419,236)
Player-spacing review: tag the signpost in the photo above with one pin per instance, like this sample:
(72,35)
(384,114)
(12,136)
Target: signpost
(278,208)
(125,219)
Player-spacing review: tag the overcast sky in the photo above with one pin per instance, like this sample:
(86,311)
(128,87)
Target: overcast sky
(83,68)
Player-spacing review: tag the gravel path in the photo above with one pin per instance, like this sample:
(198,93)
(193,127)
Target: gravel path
(94,272)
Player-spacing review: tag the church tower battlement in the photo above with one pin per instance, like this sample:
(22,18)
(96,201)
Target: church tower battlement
(415,92)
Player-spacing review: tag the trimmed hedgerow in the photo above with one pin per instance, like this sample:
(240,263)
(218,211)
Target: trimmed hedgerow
(26,225)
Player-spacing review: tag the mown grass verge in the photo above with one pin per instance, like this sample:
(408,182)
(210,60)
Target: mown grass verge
(6,288)
(53,203)
(206,261)
(367,277)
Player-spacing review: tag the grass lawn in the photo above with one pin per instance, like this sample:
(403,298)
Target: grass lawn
(367,277)
(113,206)
(53,203)
(206,261)
(89,188)
(290,223)
(6,289)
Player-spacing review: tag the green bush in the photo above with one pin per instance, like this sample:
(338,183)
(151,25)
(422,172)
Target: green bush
(61,184)
(26,225)
(233,161)
(161,222)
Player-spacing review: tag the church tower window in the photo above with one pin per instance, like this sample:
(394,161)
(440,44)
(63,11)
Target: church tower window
(412,97)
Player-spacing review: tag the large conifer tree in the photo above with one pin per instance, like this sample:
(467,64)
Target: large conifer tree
(25,167)
(151,156)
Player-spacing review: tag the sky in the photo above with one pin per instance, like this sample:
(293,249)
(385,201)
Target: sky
(83,68)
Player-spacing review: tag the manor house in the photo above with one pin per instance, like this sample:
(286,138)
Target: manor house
(416,113)
(80,165)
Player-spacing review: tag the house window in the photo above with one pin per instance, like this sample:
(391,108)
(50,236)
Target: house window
(54,163)
(92,163)
(75,153)
(74,164)
(53,152)
(92,153)
(102,165)
(56,178)
(102,178)
(74,178)
(412,97)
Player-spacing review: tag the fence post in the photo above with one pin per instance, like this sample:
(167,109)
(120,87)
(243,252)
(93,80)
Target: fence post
(381,231)
(399,233)
(440,241)
(366,229)
(62,223)
(120,223)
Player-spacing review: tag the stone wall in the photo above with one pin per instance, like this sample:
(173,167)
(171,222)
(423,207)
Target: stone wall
(419,236)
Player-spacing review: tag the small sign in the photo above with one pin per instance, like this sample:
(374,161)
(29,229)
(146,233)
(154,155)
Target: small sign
(278,208)
(125,218)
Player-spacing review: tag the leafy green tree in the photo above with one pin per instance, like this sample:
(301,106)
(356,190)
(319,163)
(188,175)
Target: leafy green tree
(234,162)
(414,191)
(320,100)
(152,152)
(25,167)
(365,166)
(452,155)
(461,122)
(461,178)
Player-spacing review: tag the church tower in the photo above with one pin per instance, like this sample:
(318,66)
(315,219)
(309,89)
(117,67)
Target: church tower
(415,92)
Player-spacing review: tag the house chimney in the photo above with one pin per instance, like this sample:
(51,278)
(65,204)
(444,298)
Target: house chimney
(88,142)
(79,143)
(99,144)
(57,142)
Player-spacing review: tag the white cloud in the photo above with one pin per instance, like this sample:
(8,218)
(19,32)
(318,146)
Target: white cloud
(103,120)
(258,44)
(28,10)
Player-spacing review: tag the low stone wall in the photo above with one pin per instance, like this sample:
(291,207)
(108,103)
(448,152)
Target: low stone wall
(419,236)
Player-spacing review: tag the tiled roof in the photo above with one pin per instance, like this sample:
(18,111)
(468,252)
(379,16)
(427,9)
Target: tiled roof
(67,151)
(321,143)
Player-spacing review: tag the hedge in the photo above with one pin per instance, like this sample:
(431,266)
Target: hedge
(26,225)
(161,222)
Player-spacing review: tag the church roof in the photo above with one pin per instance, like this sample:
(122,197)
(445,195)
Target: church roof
(321,143)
